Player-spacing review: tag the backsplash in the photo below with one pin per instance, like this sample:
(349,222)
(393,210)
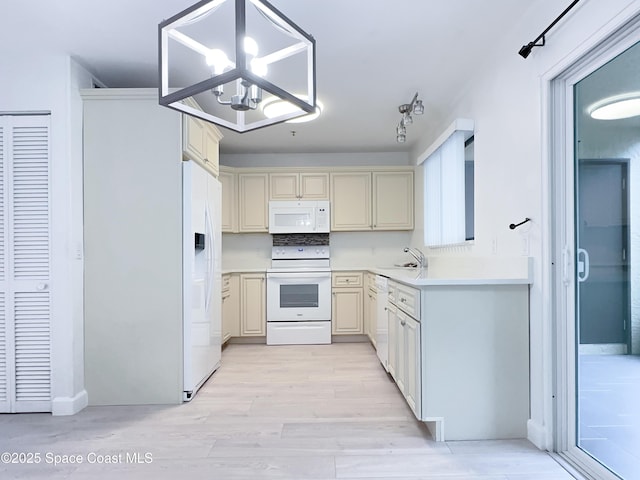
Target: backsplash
(311,239)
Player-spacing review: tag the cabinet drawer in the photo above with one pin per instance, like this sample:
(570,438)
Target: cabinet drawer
(408,300)
(371,281)
(347,279)
(226,282)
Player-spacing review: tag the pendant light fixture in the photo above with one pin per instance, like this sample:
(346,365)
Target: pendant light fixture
(222,60)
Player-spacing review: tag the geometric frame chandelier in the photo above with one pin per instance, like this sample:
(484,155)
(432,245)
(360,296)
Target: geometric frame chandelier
(222,60)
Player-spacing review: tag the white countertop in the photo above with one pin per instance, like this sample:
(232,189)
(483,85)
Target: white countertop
(445,271)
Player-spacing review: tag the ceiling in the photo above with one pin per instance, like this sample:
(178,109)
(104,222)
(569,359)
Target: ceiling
(372,55)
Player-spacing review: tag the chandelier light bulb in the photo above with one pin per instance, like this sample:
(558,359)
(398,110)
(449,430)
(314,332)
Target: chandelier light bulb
(407,119)
(259,67)
(218,60)
(250,47)
(418,108)
(401,138)
(401,129)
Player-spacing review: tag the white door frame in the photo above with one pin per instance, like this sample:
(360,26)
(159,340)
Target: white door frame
(559,94)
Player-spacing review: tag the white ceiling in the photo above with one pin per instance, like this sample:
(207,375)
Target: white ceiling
(372,55)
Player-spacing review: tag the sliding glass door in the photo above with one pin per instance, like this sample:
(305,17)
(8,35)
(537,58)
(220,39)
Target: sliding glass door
(599,381)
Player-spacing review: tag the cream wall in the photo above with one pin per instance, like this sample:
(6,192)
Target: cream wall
(46,81)
(509,102)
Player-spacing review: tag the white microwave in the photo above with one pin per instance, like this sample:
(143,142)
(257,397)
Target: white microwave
(301,216)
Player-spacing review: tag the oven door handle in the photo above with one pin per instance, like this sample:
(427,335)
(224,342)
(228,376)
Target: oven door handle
(300,275)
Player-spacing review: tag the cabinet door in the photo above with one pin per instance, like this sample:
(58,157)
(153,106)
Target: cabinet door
(211,150)
(393,200)
(314,186)
(253,192)
(229,202)
(193,142)
(283,186)
(253,305)
(392,361)
(372,299)
(346,314)
(401,350)
(351,201)
(230,307)
(412,372)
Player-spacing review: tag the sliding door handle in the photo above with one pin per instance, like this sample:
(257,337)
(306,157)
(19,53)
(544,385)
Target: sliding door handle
(583,265)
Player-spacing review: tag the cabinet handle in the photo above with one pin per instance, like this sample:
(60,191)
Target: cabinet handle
(403,323)
(403,300)
(347,280)
(206,160)
(385,308)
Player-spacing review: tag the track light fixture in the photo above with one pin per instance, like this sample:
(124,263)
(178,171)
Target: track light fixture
(406,109)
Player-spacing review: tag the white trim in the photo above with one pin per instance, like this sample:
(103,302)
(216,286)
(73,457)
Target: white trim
(537,434)
(69,405)
(462,124)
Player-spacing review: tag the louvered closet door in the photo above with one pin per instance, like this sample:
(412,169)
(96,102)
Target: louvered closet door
(25,324)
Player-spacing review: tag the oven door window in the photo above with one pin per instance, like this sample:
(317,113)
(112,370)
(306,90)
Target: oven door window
(299,296)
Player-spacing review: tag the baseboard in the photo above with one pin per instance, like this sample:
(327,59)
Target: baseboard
(247,340)
(537,434)
(69,405)
(349,338)
(603,349)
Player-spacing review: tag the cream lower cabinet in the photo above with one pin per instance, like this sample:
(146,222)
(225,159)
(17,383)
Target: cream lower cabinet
(408,360)
(253,305)
(253,202)
(230,306)
(392,360)
(229,180)
(299,186)
(412,358)
(347,316)
(371,308)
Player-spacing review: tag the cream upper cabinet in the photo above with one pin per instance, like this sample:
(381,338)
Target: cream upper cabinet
(253,202)
(253,306)
(393,200)
(193,145)
(228,180)
(350,201)
(299,186)
(211,154)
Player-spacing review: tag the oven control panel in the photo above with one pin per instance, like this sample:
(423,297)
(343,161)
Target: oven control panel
(300,252)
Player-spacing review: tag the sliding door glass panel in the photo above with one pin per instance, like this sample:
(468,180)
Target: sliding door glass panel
(607,232)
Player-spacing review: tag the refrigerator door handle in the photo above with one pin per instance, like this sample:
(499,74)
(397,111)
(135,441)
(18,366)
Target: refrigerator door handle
(210,250)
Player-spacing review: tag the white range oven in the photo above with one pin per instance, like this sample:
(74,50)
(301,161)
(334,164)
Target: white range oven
(299,296)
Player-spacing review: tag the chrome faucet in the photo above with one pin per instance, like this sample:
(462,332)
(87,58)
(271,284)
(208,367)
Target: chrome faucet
(419,256)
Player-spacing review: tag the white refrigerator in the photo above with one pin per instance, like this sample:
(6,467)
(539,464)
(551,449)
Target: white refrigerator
(202,282)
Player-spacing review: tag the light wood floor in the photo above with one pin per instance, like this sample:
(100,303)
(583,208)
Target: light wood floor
(291,412)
